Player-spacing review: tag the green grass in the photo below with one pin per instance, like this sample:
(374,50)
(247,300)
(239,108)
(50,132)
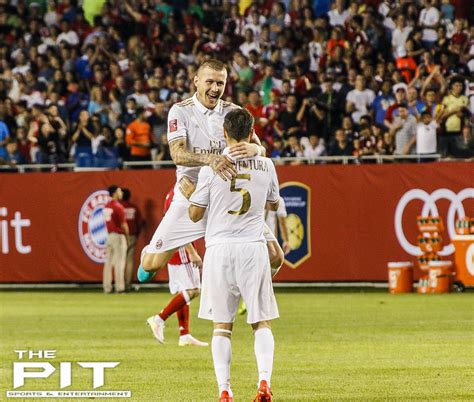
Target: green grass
(329,346)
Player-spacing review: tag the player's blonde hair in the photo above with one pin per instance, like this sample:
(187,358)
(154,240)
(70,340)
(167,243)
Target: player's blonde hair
(214,64)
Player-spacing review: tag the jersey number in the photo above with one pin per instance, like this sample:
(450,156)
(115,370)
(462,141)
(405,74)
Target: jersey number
(246,199)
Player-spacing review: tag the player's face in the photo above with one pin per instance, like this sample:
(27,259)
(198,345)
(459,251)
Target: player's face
(210,85)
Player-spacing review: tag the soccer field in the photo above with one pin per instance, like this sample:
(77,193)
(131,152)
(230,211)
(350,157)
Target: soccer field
(329,346)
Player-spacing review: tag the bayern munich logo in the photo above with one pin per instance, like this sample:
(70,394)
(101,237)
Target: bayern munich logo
(92,227)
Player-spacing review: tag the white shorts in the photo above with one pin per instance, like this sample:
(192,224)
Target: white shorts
(234,270)
(183,277)
(176,229)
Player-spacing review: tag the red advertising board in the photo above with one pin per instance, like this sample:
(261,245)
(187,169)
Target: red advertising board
(346,222)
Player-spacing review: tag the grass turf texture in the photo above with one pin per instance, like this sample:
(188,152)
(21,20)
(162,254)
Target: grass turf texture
(329,346)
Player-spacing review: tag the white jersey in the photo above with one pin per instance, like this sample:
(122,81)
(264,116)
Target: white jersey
(203,129)
(236,207)
(271,217)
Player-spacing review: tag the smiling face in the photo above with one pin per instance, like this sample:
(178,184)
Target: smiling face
(210,85)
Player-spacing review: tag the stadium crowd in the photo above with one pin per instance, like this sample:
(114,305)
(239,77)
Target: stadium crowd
(342,78)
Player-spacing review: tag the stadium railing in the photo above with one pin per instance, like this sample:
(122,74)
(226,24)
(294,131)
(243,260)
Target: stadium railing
(344,160)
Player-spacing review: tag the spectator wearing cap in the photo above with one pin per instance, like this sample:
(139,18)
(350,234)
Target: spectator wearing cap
(358,100)
(383,101)
(139,137)
(400,92)
(406,64)
(455,108)
(404,131)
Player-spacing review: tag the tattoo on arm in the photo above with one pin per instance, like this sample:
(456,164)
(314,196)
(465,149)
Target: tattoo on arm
(184,157)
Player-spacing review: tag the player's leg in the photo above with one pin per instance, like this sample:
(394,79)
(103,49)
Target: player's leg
(255,284)
(221,356)
(219,302)
(175,230)
(130,259)
(108,265)
(264,349)
(184,284)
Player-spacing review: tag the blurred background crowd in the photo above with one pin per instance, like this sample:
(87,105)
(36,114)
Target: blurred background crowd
(91,82)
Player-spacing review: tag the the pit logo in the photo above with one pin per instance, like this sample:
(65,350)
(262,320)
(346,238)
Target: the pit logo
(92,227)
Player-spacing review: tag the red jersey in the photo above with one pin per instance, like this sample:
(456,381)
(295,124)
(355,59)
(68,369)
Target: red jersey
(114,216)
(133,217)
(257,112)
(180,256)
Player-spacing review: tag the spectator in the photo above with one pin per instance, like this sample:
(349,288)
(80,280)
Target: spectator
(383,101)
(139,137)
(313,147)
(426,134)
(288,122)
(341,146)
(455,107)
(404,131)
(256,110)
(82,139)
(338,15)
(429,18)
(358,100)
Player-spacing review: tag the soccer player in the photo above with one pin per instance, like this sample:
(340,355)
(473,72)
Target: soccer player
(185,284)
(236,261)
(196,139)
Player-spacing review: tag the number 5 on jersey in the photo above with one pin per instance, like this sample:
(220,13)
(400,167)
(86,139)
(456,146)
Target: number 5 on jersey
(246,199)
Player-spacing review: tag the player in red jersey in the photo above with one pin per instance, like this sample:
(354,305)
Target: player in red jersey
(185,284)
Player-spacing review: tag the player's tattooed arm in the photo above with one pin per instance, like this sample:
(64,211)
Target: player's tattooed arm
(220,164)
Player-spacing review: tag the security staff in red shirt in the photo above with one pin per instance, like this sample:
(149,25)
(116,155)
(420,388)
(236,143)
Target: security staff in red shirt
(116,244)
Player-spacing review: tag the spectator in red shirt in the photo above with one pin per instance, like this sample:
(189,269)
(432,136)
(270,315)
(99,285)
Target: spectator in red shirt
(135,224)
(116,246)
(255,108)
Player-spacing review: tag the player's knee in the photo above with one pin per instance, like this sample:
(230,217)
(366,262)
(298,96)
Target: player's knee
(192,293)
(151,263)
(261,324)
(223,329)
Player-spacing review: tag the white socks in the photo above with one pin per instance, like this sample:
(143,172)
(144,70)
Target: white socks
(221,354)
(264,347)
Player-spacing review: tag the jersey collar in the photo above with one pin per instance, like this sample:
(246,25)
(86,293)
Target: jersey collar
(204,110)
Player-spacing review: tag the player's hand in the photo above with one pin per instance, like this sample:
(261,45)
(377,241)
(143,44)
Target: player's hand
(186,186)
(286,248)
(223,166)
(195,259)
(244,150)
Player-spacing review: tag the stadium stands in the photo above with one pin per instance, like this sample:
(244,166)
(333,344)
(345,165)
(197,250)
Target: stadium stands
(321,78)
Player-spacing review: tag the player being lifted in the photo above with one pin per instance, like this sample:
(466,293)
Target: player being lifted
(236,261)
(185,284)
(196,138)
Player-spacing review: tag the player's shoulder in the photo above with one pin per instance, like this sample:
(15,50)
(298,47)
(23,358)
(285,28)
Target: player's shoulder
(228,106)
(185,103)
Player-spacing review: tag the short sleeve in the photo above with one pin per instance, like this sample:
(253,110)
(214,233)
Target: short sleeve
(176,124)
(200,197)
(273,190)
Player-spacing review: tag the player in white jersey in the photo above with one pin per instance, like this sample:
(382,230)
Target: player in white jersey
(196,138)
(236,261)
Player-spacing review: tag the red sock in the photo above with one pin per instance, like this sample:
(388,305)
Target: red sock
(183,320)
(175,304)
